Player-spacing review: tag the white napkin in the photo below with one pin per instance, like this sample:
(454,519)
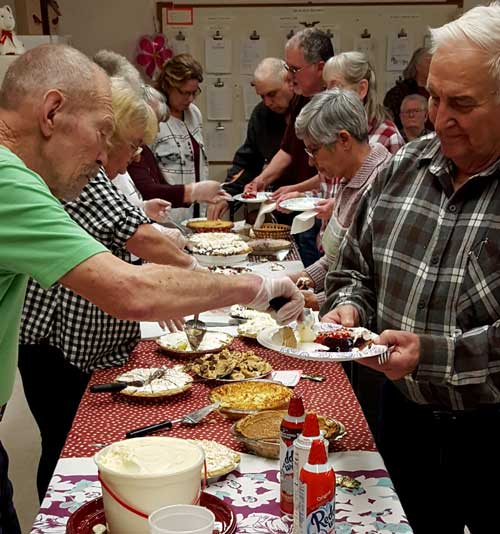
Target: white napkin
(265,207)
(303,221)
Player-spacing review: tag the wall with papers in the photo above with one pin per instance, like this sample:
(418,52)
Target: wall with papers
(230,40)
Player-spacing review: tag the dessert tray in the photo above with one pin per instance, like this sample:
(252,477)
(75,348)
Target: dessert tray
(260,432)
(91,514)
(216,225)
(168,382)
(230,366)
(218,248)
(178,344)
(331,342)
(220,459)
(268,246)
(299,203)
(244,398)
(253,198)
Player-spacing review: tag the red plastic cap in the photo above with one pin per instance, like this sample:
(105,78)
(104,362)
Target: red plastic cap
(311,426)
(296,407)
(317,454)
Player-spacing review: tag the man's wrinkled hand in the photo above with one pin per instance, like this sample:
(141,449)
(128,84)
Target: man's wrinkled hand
(216,211)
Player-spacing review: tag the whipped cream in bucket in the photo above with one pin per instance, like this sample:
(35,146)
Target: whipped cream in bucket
(146,474)
(151,456)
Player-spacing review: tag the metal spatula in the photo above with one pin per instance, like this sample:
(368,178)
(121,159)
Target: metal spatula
(195,332)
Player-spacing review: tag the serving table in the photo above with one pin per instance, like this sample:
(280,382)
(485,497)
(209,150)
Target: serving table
(253,489)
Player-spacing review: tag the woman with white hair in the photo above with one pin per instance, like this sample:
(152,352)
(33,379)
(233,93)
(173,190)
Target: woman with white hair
(352,70)
(334,128)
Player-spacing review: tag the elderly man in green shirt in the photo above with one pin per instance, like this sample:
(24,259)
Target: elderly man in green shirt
(55,122)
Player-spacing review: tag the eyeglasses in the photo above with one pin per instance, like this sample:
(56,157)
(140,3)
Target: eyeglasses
(136,150)
(411,112)
(295,70)
(187,94)
(312,152)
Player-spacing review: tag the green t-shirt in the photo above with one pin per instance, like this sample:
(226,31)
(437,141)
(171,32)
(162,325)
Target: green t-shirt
(38,239)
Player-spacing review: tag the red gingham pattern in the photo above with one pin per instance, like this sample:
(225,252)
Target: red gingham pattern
(105,417)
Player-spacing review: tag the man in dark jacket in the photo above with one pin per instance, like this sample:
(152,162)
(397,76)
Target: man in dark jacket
(266,127)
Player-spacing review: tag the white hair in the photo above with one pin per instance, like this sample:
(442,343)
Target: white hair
(157,101)
(270,69)
(119,66)
(479,26)
(417,98)
(328,113)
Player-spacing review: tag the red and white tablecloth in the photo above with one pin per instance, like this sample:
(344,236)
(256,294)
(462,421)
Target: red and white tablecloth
(104,418)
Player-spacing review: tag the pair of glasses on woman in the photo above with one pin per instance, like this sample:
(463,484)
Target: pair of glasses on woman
(136,150)
(187,94)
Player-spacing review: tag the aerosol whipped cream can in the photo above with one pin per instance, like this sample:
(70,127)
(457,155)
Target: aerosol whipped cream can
(301,447)
(317,493)
(290,428)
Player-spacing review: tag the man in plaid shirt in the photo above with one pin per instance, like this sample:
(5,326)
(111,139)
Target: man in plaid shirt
(421,264)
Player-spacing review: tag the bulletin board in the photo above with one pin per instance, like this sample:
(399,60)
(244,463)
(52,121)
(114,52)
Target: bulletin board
(229,39)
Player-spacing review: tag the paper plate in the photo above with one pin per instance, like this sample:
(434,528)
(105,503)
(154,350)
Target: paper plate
(313,351)
(299,203)
(261,196)
(212,342)
(173,382)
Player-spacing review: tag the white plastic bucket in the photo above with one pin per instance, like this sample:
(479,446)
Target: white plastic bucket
(169,473)
(182,519)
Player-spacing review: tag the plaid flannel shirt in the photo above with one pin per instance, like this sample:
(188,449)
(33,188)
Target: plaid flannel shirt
(420,257)
(89,338)
(387,134)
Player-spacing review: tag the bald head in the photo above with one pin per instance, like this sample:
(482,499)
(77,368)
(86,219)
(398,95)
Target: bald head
(270,69)
(271,84)
(52,67)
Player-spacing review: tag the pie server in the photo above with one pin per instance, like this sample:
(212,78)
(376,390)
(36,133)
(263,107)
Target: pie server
(192,418)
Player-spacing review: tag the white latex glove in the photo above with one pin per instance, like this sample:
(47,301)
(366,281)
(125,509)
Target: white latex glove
(172,325)
(195,266)
(280,287)
(209,191)
(175,235)
(157,209)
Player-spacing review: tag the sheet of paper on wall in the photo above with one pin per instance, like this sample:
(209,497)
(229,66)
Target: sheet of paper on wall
(219,141)
(250,97)
(181,46)
(219,101)
(252,52)
(366,46)
(218,55)
(242,130)
(399,52)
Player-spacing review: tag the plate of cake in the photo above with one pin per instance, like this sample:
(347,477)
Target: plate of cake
(218,248)
(322,342)
(253,198)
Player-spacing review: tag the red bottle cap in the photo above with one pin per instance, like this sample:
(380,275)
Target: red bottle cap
(296,407)
(311,426)
(317,454)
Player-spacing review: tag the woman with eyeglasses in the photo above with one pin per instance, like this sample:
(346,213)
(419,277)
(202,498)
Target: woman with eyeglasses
(179,147)
(334,129)
(352,70)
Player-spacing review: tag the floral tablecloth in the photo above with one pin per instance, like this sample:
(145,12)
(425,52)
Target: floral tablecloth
(253,493)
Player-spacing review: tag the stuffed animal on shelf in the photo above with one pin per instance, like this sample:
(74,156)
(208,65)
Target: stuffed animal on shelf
(9,42)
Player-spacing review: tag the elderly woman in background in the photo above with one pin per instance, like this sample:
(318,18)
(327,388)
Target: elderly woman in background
(414,82)
(334,128)
(179,147)
(149,179)
(352,70)
(414,115)
(63,336)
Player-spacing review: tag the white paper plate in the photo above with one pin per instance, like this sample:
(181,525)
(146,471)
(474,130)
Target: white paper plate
(299,203)
(261,196)
(221,260)
(313,351)
(212,342)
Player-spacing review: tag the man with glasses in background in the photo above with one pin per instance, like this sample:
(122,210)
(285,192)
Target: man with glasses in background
(305,56)
(413,114)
